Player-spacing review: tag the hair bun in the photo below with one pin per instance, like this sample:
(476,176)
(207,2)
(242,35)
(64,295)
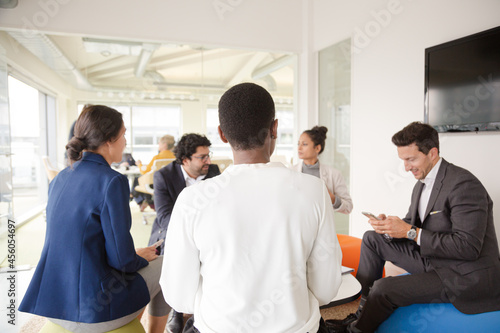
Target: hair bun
(75,147)
(322,130)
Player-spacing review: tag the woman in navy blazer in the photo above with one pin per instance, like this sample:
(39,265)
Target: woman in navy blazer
(90,277)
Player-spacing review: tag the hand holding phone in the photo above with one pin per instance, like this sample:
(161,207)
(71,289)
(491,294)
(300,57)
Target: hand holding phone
(372,216)
(157,245)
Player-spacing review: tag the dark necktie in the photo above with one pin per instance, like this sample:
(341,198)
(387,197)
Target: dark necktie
(418,222)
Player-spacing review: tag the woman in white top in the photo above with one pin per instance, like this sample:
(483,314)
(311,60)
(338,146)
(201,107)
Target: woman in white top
(311,145)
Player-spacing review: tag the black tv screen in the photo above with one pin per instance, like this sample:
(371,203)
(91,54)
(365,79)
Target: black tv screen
(462,83)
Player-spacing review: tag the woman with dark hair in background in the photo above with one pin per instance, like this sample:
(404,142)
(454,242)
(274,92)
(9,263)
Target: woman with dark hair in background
(311,145)
(89,277)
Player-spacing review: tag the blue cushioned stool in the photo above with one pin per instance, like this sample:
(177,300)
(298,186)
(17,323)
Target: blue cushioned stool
(438,317)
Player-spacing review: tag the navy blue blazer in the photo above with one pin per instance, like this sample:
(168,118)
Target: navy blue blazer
(87,270)
(168,182)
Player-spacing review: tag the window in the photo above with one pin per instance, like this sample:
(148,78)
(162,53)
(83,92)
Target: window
(285,145)
(29,110)
(219,148)
(146,125)
(149,124)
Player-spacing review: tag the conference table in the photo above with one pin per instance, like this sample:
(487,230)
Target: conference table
(129,170)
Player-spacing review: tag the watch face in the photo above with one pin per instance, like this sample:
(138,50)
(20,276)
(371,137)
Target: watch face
(412,233)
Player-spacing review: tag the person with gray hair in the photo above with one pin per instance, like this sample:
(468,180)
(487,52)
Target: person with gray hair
(165,145)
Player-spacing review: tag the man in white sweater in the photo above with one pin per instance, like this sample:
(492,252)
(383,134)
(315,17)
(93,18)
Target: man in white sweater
(254,249)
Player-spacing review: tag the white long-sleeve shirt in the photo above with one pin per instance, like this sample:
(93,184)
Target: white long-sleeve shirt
(252,250)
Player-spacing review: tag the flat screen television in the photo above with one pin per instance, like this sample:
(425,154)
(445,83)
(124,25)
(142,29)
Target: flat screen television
(462,83)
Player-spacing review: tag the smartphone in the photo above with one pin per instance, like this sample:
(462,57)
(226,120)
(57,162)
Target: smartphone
(157,245)
(372,216)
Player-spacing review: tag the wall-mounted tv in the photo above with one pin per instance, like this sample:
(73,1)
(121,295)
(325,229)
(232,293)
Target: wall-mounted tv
(462,83)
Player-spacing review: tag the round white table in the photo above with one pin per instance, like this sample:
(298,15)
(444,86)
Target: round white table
(349,291)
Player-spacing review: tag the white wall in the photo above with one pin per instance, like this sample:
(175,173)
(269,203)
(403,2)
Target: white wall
(388,89)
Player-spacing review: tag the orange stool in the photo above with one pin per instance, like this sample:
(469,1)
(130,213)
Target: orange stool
(351,248)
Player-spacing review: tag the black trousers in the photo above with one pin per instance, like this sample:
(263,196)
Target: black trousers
(385,295)
(189,328)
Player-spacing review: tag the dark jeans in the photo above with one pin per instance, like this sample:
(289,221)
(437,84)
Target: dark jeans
(189,328)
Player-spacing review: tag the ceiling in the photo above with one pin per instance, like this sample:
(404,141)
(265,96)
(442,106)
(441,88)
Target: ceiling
(159,70)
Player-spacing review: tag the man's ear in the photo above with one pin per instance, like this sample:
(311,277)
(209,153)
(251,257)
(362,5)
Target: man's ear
(274,129)
(434,152)
(222,136)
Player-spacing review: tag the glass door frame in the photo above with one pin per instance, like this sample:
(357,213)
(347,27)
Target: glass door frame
(5,158)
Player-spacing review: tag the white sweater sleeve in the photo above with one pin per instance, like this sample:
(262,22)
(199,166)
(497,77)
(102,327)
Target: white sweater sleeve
(324,264)
(180,276)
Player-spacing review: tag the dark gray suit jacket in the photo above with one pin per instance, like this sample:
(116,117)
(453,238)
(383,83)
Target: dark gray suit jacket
(168,182)
(458,238)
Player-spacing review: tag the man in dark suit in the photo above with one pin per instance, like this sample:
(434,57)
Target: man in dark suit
(447,241)
(192,165)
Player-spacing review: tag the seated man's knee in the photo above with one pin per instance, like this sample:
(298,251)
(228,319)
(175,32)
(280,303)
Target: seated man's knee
(381,288)
(370,237)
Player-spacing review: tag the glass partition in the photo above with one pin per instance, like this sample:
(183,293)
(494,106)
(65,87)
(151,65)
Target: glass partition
(335,113)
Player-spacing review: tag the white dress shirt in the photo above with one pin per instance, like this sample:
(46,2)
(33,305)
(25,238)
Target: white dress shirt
(252,250)
(426,192)
(190,180)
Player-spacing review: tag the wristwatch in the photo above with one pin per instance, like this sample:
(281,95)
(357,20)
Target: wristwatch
(412,233)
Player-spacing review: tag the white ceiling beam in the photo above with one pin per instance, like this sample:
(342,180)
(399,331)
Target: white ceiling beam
(273,66)
(146,54)
(245,72)
(112,71)
(194,58)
